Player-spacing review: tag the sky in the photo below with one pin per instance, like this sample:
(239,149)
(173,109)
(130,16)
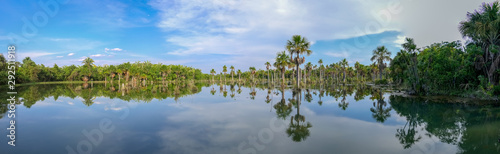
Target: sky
(208,34)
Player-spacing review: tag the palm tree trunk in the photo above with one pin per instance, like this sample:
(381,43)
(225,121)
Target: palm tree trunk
(283,76)
(298,71)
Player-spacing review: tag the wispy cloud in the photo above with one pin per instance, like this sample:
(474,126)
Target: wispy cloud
(71,54)
(97,55)
(114,49)
(59,56)
(34,54)
(338,54)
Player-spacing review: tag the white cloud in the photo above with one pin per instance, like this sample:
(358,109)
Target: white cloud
(82,58)
(34,54)
(338,54)
(71,54)
(97,55)
(433,25)
(257,29)
(114,49)
(59,56)
(400,40)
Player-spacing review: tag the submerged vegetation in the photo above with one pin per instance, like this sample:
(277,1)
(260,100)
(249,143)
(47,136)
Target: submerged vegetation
(446,68)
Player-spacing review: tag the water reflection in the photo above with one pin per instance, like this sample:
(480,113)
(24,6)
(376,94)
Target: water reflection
(471,128)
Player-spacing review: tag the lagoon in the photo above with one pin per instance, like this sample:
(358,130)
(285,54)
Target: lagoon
(212,118)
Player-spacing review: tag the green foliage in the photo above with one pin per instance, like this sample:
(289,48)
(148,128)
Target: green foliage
(496,90)
(381,82)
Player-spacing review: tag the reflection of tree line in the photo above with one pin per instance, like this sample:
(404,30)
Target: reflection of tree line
(88,92)
(474,128)
(298,128)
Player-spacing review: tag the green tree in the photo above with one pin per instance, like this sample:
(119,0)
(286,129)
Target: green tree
(380,55)
(232,72)
(252,71)
(224,69)
(344,65)
(282,61)
(267,68)
(483,28)
(298,45)
(88,64)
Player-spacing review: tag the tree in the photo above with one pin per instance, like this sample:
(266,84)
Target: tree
(224,69)
(232,72)
(30,70)
(344,65)
(252,71)
(321,67)
(357,65)
(282,61)
(483,28)
(213,74)
(298,45)
(308,69)
(380,55)
(88,64)
(267,68)
(239,74)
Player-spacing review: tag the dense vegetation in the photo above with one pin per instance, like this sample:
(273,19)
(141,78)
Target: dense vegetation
(451,68)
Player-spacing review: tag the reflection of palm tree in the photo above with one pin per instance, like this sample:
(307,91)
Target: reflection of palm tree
(253,92)
(213,91)
(283,109)
(239,89)
(407,136)
(308,96)
(299,130)
(380,113)
(343,103)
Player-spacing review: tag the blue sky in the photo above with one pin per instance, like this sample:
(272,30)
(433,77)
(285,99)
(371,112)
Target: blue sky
(209,34)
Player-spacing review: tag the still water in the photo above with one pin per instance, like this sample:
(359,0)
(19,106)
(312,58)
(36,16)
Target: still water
(210,118)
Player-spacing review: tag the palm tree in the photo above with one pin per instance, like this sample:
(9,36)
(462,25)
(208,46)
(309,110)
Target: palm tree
(232,72)
(298,45)
(252,70)
(89,63)
(308,70)
(483,28)
(410,56)
(379,56)
(344,65)
(282,61)
(213,74)
(224,69)
(320,62)
(267,67)
(357,65)
(239,74)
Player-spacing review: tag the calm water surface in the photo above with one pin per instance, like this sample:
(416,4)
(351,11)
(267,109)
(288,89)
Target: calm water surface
(205,118)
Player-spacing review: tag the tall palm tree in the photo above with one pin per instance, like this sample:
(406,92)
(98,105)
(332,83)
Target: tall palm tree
(89,63)
(380,55)
(298,45)
(252,71)
(267,67)
(308,69)
(410,55)
(344,65)
(224,69)
(213,74)
(357,65)
(320,62)
(239,74)
(232,72)
(483,28)
(282,61)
